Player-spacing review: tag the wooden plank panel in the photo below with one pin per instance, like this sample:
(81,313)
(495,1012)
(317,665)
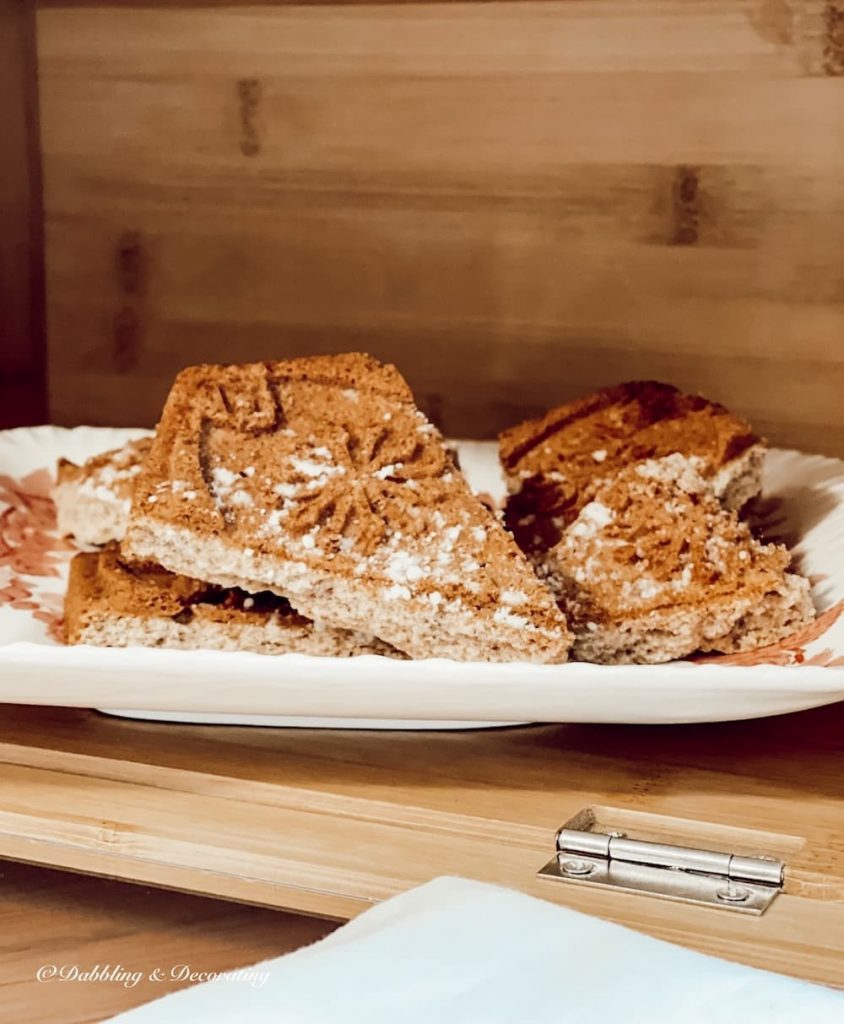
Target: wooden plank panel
(167,127)
(453,37)
(329,822)
(541,198)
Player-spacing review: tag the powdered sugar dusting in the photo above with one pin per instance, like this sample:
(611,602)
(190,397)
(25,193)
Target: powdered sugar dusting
(357,485)
(593,517)
(319,470)
(507,618)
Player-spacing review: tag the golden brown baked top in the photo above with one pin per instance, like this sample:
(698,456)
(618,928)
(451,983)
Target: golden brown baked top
(109,475)
(653,537)
(553,462)
(327,462)
(100,583)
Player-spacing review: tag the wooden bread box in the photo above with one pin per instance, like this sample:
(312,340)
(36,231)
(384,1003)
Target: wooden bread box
(516,202)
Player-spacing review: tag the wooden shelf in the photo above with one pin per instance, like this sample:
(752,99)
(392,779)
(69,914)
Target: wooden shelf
(327,823)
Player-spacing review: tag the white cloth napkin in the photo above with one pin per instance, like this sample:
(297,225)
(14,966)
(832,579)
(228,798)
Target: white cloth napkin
(460,952)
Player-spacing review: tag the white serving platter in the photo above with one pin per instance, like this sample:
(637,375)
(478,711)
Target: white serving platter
(805,504)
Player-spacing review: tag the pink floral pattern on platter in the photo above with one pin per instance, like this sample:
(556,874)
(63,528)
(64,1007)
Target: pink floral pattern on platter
(30,549)
(792,650)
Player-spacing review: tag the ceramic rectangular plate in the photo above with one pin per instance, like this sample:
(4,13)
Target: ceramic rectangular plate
(804,506)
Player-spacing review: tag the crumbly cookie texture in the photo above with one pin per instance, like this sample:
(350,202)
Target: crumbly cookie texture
(554,463)
(654,568)
(109,604)
(319,479)
(93,500)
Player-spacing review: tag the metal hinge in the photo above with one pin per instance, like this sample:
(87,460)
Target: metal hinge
(611,859)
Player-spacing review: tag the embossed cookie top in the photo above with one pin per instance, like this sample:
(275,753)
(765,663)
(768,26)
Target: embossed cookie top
(109,476)
(554,462)
(326,462)
(654,536)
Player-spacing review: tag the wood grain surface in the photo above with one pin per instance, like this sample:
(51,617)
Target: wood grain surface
(23,372)
(516,202)
(76,921)
(328,823)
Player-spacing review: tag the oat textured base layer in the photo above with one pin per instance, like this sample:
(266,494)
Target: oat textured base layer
(323,593)
(654,569)
(320,480)
(725,626)
(109,629)
(93,500)
(111,605)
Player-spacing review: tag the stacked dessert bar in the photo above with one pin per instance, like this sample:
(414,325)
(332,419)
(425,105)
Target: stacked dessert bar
(309,506)
(318,481)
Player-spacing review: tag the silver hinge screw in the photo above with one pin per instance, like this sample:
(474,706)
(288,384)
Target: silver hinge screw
(578,868)
(733,894)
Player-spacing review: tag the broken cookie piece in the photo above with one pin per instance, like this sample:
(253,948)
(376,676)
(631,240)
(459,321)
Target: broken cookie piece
(553,464)
(653,568)
(111,605)
(93,500)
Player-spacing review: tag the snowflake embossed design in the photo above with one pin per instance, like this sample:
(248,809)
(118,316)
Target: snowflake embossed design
(357,482)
